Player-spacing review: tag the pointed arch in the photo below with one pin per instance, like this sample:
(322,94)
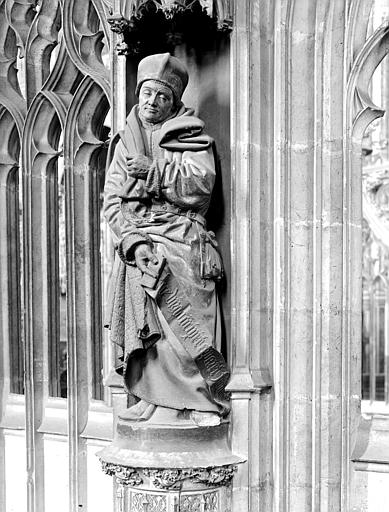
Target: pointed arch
(61,72)
(83,35)
(364,53)
(19,16)
(10,304)
(10,94)
(84,152)
(41,40)
(360,107)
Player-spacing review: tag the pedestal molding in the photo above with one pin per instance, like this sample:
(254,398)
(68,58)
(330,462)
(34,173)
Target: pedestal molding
(172,478)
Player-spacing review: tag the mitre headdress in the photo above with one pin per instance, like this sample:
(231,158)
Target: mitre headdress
(166,69)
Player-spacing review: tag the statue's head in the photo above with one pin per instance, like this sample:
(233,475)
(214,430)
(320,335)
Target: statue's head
(161,82)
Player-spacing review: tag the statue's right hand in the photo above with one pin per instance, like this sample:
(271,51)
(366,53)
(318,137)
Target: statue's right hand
(143,254)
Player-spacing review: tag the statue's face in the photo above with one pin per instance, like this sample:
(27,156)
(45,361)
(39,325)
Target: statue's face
(155,101)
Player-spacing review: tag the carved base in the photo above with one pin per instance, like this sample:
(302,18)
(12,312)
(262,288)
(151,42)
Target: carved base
(139,500)
(172,490)
(170,468)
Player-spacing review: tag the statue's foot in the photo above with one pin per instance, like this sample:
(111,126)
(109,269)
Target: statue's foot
(142,411)
(205,419)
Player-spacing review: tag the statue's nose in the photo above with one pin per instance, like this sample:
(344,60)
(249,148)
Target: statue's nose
(153,99)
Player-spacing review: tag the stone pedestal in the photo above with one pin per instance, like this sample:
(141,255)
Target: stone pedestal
(171,468)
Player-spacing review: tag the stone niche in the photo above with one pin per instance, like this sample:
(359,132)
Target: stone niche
(203,44)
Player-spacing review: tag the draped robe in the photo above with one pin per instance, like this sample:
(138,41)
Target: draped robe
(165,210)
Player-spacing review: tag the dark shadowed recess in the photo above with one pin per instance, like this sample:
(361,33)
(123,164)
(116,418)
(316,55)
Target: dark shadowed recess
(194,37)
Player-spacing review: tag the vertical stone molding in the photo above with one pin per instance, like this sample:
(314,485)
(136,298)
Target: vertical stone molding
(252,46)
(313,307)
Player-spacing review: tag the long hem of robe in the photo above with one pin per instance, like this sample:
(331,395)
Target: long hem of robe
(166,375)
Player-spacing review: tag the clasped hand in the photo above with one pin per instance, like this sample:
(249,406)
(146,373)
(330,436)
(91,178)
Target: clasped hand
(138,166)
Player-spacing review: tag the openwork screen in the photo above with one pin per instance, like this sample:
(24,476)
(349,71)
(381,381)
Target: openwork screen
(54,91)
(55,121)
(375,321)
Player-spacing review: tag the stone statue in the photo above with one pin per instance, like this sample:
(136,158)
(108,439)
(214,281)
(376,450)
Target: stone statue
(163,310)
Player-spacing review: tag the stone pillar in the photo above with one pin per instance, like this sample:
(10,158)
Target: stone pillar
(317,287)
(295,255)
(252,141)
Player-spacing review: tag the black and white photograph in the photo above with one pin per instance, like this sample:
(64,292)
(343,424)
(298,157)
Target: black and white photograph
(194,255)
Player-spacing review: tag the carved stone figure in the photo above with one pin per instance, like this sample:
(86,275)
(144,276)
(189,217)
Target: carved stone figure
(164,315)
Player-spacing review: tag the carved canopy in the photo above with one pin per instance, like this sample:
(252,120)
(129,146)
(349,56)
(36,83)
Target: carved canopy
(221,10)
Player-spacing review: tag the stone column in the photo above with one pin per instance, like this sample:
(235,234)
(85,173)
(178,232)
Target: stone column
(252,141)
(316,256)
(295,252)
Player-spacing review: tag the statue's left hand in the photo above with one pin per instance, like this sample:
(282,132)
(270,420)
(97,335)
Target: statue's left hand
(138,166)
(144,254)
